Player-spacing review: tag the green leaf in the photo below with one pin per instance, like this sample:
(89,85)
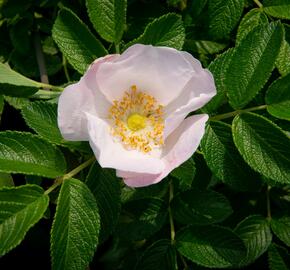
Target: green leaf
(20,208)
(42,118)
(218,69)
(51,96)
(255,17)
(277,8)
(210,246)
(6,180)
(185,174)
(200,207)
(29,154)
(143,218)
(282,61)
(49,47)
(167,30)
(158,190)
(75,229)
(75,40)
(16,102)
(279,258)
(160,255)
(106,188)
(278,98)
(263,145)
(224,16)
(15,84)
(204,46)
(256,235)
(281,228)
(224,160)
(252,62)
(108,18)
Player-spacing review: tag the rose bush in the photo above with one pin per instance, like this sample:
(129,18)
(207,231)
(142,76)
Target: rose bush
(132,109)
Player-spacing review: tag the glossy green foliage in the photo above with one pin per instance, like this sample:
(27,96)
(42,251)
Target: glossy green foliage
(211,246)
(278,98)
(252,62)
(76,41)
(20,208)
(277,8)
(107,190)
(160,255)
(278,258)
(256,235)
(14,84)
(224,159)
(255,17)
(167,31)
(75,230)
(263,146)
(108,18)
(281,228)
(224,16)
(282,61)
(42,118)
(23,152)
(200,207)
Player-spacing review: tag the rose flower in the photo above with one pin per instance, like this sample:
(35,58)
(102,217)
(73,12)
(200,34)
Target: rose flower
(132,109)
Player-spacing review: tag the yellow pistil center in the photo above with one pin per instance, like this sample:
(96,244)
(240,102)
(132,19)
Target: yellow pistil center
(136,121)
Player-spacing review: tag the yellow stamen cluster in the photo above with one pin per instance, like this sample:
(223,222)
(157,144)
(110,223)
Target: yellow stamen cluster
(137,121)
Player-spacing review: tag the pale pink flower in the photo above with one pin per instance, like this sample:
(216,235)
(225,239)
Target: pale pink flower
(132,109)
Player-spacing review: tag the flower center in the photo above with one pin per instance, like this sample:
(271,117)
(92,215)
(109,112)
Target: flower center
(137,121)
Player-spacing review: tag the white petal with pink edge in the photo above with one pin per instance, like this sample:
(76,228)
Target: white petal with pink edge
(132,109)
(159,71)
(179,147)
(198,91)
(79,98)
(112,154)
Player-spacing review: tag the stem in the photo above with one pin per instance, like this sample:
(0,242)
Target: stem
(268,202)
(40,59)
(58,181)
(52,87)
(184,262)
(259,4)
(117,48)
(198,152)
(234,113)
(172,229)
(64,63)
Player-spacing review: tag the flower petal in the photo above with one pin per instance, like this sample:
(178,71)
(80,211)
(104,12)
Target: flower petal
(81,97)
(111,154)
(198,91)
(179,147)
(160,71)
